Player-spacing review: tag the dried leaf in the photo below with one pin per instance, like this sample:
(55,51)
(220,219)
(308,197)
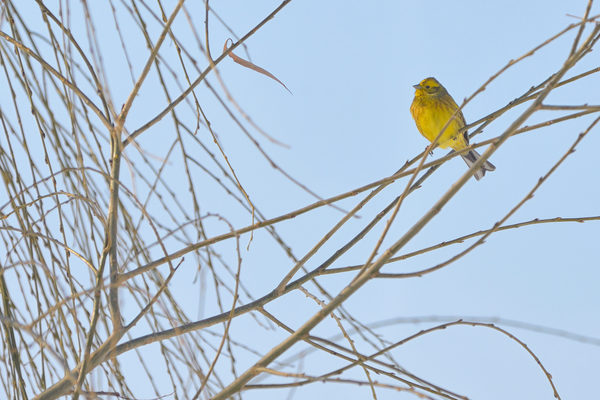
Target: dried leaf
(253,67)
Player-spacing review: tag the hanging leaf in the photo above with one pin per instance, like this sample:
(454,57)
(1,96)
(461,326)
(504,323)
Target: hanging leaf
(253,67)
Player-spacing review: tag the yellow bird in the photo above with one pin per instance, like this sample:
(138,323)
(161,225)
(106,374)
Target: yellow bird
(431,109)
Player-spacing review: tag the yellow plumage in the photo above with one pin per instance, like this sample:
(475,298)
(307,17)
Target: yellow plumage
(431,109)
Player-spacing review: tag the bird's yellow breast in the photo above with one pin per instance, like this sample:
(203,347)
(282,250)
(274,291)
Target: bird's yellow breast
(431,114)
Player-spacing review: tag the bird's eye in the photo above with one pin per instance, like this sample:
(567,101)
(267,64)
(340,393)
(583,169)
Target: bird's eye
(427,87)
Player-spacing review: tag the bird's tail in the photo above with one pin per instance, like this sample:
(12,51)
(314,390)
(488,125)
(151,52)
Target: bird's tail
(470,159)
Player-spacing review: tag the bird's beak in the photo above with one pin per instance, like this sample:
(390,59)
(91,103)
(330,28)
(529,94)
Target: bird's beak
(417,87)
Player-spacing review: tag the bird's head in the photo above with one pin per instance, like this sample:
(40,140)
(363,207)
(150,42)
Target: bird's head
(429,86)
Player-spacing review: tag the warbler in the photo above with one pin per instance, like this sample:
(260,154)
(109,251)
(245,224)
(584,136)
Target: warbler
(431,109)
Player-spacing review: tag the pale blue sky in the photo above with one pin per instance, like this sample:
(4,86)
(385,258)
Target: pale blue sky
(351,67)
